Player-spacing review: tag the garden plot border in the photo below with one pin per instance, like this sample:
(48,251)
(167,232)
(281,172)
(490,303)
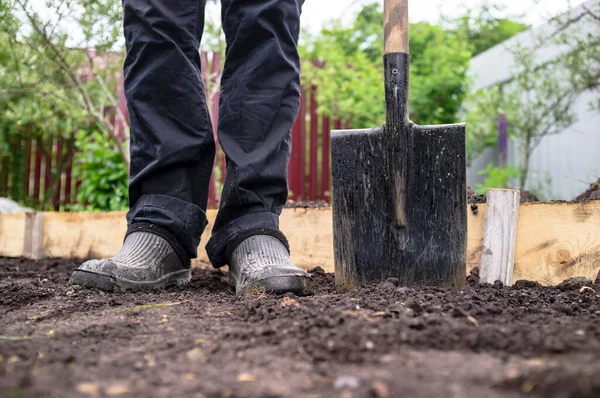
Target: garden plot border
(554,241)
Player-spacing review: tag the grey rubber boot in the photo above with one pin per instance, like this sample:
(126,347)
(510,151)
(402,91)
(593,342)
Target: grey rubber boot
(146,262)
(262,264)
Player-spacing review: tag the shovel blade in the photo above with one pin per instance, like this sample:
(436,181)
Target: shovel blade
(429,246)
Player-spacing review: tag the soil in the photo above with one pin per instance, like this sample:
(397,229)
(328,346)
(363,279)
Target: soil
(593,193)
(307,204)
(382,340)
(474,198)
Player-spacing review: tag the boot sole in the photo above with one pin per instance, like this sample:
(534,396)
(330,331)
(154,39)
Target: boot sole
(111,283)
(298,285)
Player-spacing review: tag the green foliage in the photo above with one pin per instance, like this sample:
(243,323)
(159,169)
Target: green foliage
(582,61)
(482,109)
(349,69)
(49,78)
(102,172)
(484,29)
(537,102)
(497,177)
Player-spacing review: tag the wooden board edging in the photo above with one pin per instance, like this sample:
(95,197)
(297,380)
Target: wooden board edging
(556,240)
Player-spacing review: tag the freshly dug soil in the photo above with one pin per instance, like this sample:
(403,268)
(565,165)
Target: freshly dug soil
(593,193)
(383,340)
(475,198)
(307,204)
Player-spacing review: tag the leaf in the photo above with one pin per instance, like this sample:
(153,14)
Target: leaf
(14,338)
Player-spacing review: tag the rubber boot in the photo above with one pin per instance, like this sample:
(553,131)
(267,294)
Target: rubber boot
(147,261)
(262,264)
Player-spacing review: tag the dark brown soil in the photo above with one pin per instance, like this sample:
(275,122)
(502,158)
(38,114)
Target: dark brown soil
(307,204)
(593,193)
(380,341)
(475,198)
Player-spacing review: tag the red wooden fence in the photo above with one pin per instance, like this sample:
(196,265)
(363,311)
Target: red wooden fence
(48,181)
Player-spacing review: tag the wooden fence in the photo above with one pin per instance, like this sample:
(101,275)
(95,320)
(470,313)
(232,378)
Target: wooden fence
(42,175)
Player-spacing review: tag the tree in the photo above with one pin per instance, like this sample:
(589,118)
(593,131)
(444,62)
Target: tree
(538,101)
(348,70)
(68,56)
(582,60)
(484,29)
(349,73)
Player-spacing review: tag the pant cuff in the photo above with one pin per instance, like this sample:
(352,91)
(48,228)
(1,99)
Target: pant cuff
(224,241)
(184,220)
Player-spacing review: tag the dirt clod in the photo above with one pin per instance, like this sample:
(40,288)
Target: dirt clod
(574,283)
(524,284)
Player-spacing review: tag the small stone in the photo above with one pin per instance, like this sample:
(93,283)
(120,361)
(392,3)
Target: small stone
(346,382)
(369,345)
(498,284)
(195,354)
(403,289)
(288,302)
(574,283)
(246,377)
(380,390)
(117,389)
(88,388)
(472,320)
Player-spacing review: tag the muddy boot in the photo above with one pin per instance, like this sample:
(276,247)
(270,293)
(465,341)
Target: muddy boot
(147,261)
(262,264)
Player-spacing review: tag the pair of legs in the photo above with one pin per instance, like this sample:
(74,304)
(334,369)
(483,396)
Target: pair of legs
(172,144)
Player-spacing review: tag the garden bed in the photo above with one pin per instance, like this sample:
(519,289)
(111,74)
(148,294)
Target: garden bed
(380,341)
(555,241)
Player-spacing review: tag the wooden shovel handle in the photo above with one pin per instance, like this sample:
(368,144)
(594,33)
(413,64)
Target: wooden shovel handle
(395,30)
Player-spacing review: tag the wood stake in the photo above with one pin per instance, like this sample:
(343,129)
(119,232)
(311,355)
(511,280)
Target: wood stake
(500,236)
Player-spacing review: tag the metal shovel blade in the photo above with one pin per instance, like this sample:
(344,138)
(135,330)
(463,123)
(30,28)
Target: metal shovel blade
(399,196)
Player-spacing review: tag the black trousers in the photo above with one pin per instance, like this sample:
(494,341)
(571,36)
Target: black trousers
(172,144)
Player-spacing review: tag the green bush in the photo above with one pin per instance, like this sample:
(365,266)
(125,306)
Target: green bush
(497,177)
(102,172)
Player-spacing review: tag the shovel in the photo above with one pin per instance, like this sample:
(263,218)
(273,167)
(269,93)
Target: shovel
(399,190)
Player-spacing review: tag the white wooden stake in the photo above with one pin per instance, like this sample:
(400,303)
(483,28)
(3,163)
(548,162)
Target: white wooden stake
(34,234)
(500,236)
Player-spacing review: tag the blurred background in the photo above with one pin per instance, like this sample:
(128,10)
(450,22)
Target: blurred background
(524,75)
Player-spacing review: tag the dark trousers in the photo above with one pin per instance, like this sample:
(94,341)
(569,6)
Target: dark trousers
(172,144)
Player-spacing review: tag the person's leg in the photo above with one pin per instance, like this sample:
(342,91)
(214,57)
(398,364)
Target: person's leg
(260,94)
(172,148)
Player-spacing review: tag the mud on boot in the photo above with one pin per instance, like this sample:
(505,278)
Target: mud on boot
(149,259)
(262,263)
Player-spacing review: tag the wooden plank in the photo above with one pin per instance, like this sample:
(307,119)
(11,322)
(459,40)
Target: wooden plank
(558,241)
(83,234)
(12,234)
(475,226)
(500,236)
(34,235)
